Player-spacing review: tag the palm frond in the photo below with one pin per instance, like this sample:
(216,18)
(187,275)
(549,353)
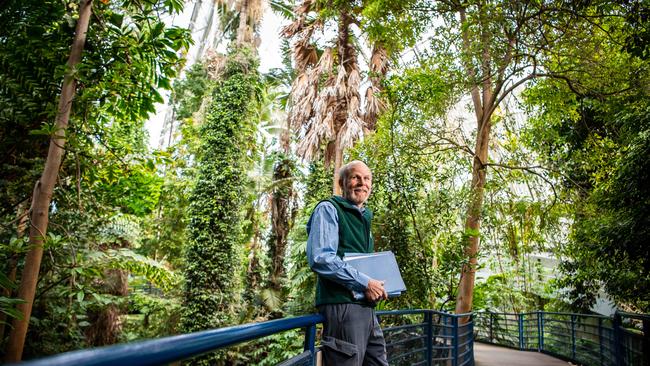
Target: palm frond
(282,8)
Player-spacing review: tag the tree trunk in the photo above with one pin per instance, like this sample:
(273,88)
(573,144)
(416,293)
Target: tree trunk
(338,162)
(483,108)
(106,323)
(473,222)
(253,273)
(244,32)
(347,59)
(44,189)
(281,216)
(280,224)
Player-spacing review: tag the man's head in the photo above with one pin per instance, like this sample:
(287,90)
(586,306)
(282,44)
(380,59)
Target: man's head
(355,180)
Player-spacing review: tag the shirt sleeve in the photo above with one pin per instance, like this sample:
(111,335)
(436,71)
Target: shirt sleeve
(322,244)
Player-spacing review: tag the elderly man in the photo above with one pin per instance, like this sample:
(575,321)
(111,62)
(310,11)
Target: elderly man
(344,296)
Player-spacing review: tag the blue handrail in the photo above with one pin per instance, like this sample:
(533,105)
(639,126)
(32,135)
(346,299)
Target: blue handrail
(438,339)
(180,347)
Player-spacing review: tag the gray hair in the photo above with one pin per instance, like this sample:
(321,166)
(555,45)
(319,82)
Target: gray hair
(345,170)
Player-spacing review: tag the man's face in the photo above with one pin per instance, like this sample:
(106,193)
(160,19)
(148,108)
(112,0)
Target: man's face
(358,184)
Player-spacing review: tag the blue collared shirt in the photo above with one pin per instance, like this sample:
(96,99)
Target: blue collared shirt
(322,244)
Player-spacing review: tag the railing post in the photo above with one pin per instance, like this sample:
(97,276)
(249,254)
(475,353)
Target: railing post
(428,317)
(573,336)
(472,319)
(310,342)
(491,329)
(541,331)
(454,323)
(600,339)
(520,319)
(540,335)
(617,324)
(646,342)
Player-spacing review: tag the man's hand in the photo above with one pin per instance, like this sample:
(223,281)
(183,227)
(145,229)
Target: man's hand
(375,291)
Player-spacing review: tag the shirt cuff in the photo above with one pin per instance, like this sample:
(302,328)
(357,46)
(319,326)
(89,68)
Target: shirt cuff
(362,281)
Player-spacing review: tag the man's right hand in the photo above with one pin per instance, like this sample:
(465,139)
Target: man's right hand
(375,291)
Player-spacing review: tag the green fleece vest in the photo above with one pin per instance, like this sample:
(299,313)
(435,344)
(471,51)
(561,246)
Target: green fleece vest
(354,237)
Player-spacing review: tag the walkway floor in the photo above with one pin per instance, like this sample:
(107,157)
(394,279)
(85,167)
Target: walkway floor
(488,355)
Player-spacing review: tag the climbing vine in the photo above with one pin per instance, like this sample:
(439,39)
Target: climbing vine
(213,254)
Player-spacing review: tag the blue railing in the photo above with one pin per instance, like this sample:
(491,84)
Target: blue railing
(428,337)
(413,337)
(585,339)
(181,347)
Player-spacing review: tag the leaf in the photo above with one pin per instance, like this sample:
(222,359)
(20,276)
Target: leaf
(116,19)
(5,282)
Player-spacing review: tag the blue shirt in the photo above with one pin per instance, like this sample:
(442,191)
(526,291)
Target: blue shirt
(322,244)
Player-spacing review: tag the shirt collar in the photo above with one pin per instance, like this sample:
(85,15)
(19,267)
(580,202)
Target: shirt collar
(362,208)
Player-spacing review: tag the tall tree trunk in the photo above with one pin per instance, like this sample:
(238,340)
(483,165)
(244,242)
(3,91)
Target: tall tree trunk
(347,59)
(483,102)
(280,220)
(253,272)
(473,221)
(44,189)
(244,31)
(338,162)
(281,216)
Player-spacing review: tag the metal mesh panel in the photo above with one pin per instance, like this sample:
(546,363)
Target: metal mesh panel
(583,338)
(426,337)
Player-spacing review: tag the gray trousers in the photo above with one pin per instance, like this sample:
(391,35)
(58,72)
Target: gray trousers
(352,336)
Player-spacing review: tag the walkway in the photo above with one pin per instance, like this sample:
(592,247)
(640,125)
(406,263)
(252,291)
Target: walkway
(488,355)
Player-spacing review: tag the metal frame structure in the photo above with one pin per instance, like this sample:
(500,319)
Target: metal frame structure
(428,337)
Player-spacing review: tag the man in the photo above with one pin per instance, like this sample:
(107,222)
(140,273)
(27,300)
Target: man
(344,296)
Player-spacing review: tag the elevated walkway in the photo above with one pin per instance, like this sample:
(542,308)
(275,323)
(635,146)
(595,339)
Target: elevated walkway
(489,355)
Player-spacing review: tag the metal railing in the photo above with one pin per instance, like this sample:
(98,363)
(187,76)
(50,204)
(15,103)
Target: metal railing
(413,337)
(176,348)
(428,337)
(623,339)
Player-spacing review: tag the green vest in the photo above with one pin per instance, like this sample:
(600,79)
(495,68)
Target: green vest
(354,237)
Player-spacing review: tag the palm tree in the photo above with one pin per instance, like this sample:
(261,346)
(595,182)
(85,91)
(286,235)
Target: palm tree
(325,100)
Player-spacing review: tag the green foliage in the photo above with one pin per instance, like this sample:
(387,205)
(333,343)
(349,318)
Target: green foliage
(151,316)
(135,190)
(274,349)
(394,24)
(611,227)
(201,205)
(302,281)
(188,93)
(137,265)
(129,54)
(415,218)
(35,38)
(7,304)
(166,228)
(598,139)
(498,294)
(213,255)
